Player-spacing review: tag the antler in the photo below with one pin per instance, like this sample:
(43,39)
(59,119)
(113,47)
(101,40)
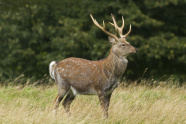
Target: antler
(102,28)
(127,32)
(120,29)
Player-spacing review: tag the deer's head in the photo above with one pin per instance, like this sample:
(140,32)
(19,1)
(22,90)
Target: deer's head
(120,47)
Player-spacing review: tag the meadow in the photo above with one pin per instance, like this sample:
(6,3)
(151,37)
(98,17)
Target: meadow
(130,104)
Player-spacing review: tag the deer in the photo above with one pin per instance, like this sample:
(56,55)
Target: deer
(77,76)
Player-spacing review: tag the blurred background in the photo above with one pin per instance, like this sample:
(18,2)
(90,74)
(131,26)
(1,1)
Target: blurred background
(35,32)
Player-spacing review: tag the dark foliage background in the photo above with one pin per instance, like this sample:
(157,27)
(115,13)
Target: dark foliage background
(35,32)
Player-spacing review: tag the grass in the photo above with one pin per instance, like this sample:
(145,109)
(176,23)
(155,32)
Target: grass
(129,105)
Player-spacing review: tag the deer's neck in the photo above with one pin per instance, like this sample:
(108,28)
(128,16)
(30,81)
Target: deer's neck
(115,66)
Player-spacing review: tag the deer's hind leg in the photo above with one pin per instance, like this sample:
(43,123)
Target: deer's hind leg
(68,100)
(63,88)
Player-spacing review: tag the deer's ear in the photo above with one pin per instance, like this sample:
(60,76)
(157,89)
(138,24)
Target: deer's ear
(112,40)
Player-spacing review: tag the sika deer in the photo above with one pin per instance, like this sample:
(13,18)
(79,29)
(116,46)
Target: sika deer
(80,76)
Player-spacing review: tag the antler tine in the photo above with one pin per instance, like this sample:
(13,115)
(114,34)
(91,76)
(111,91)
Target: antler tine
(127,32)
(102,28)
(115,24)
(123,23)
(103,24)
(118,29)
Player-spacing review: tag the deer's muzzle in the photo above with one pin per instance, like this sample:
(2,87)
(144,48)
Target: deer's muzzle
(136,49)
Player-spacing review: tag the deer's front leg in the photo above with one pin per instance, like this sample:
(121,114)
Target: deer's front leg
(107,101)
(104,102)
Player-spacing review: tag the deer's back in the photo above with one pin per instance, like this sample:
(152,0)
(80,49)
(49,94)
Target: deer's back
(79,73)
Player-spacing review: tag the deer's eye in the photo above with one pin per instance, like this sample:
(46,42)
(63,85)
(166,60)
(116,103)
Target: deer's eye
(123,45)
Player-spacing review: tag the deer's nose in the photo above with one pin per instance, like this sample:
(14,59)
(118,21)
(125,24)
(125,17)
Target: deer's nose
(136,49)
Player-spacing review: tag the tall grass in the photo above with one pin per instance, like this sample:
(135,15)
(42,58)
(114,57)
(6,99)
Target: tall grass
(134,104)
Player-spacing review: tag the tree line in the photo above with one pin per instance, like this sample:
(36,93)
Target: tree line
(34,33)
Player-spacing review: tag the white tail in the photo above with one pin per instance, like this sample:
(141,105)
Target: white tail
(51,68)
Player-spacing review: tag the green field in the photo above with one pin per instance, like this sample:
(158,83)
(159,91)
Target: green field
(129,105)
